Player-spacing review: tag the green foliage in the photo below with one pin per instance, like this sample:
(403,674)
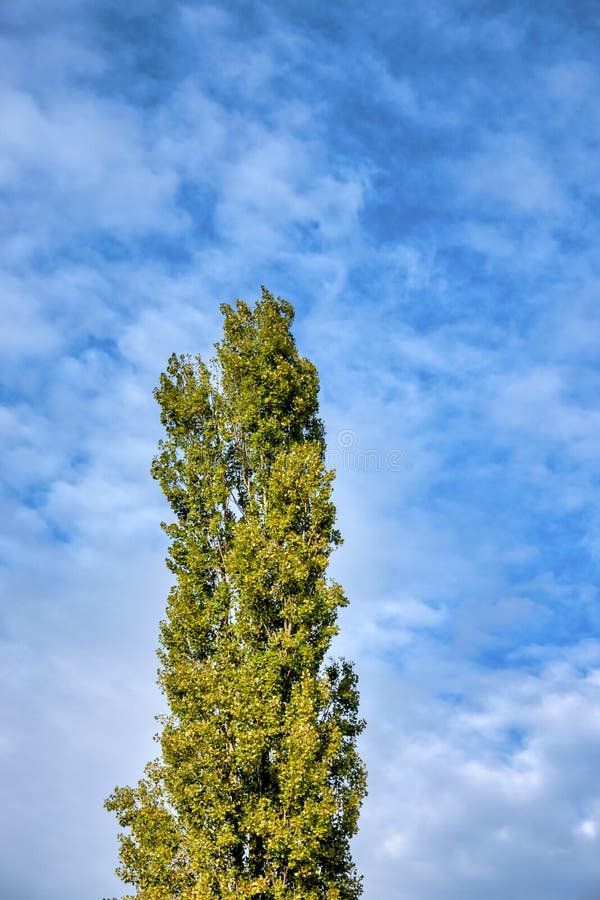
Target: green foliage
(258,788)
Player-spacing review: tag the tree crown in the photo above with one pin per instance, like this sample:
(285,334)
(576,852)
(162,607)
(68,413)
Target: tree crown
(258,787)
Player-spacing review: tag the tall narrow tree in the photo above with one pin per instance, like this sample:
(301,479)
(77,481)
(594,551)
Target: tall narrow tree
(259,783)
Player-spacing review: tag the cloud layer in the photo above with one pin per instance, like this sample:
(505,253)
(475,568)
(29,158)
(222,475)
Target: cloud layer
(423,185)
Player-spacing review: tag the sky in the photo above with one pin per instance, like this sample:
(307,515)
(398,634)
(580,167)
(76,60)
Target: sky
(422,182)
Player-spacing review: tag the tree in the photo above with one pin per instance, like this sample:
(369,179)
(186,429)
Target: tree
(259,784)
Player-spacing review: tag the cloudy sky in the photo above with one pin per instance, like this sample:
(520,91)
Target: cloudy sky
(422,181)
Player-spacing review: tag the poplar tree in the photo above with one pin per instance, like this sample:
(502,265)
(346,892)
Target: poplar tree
(257,789)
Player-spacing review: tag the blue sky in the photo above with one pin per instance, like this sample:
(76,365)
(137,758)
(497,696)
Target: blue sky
(421,181)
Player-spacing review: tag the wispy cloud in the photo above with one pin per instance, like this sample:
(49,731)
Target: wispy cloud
(423,185)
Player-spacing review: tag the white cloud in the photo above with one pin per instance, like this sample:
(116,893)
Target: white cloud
(536,402)
(483,779)
(516,175)
(87,163)
(474,804)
